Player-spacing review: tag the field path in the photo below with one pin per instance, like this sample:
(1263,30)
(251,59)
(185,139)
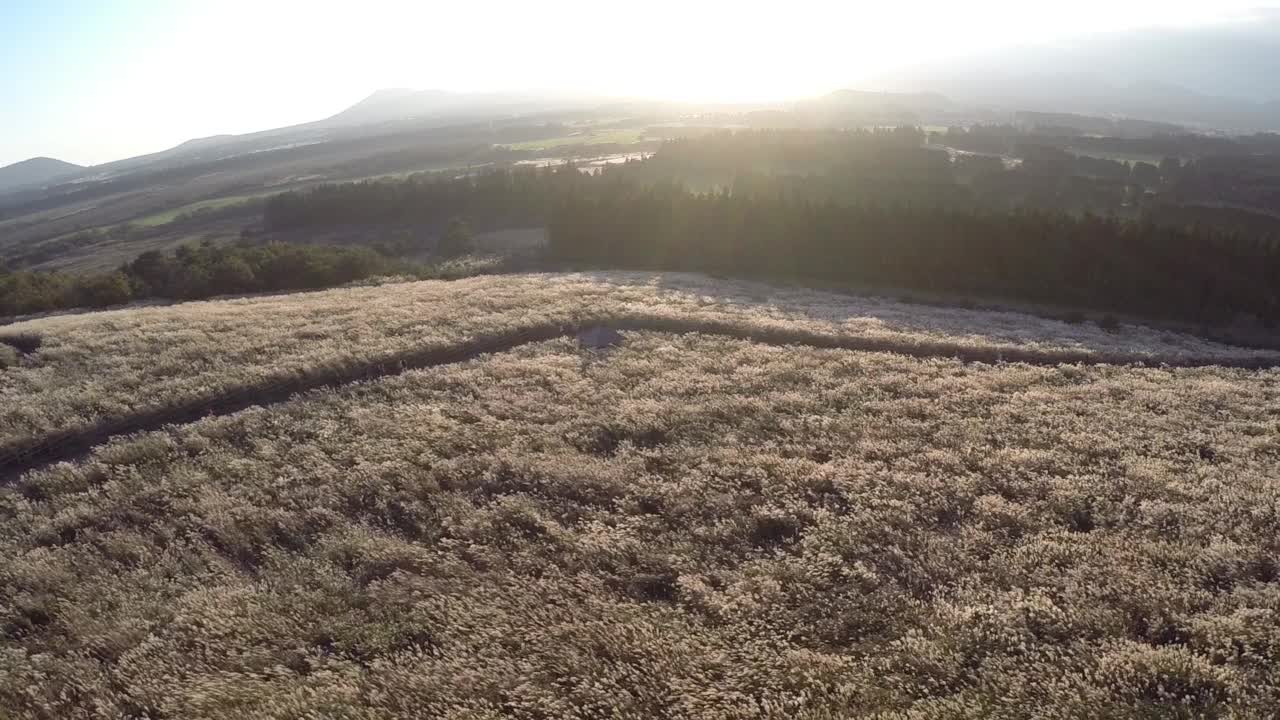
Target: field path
(22,456)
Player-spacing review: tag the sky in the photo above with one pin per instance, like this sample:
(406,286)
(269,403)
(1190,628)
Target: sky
(89,81)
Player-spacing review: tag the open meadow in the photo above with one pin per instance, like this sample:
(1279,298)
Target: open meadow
(686,526)
(94,367)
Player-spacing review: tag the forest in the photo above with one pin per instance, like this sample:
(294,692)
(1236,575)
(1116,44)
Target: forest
(869,208)
(1003,170)
(1091,262)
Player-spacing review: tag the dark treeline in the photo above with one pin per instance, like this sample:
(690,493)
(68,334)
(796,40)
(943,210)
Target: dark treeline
(193,272)
(1073,125)
(1003,139)
(866,208)
(873,167)
(895,167)
(1199,218)
(1091,262)
(892,151)
(1240,172)
(494,199)
(882,166)
(877,167)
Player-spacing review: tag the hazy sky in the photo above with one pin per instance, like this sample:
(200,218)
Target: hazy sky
(95,80)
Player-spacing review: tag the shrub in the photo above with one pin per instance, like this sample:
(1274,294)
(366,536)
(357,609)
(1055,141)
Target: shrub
(1109,323)
(771,530)
(1167,678)
(102,290)
(658,587)
(456,239)
(195,272)
(25,343)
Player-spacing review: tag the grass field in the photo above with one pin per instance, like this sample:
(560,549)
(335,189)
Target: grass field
(97,366)
(168,216)
(624,136)
(685,527)
(107,252)
(688,526)
(1129,158)
(110,255)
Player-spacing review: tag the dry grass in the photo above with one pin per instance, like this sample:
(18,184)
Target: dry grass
(686,527)
(106,365)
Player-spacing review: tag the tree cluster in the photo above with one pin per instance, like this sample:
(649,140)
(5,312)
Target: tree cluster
(1088,261)
(193,272)
(492,199)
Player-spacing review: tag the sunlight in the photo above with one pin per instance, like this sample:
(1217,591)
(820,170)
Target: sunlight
(203,69)
(716,51)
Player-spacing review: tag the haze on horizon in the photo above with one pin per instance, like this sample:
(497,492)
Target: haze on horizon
(88,83)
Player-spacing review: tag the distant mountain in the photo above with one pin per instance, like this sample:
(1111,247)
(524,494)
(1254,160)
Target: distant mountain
(393,104)
(205,142)
(36,171)
(1068,123)
(214,147)
(1220,76)
(383,112)
(886,101)
(851,108)
(400,104)
(1096,94)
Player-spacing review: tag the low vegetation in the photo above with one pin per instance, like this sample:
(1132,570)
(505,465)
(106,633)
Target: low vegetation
(204,208)
(23,342)
(96,367)
(588,136)
(685,527)
(194,271)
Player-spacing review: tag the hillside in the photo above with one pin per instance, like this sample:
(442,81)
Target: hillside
(865,100)
(35,172)
(397,104)
(689,526)
(393,104)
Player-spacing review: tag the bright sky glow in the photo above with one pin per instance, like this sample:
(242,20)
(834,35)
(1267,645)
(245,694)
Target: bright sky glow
(89,81)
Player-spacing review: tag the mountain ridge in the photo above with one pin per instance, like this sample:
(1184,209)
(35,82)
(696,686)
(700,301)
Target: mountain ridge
(960,94)
(35,171)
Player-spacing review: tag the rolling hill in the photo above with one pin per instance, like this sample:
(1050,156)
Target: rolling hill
(36,171)
(399,104)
